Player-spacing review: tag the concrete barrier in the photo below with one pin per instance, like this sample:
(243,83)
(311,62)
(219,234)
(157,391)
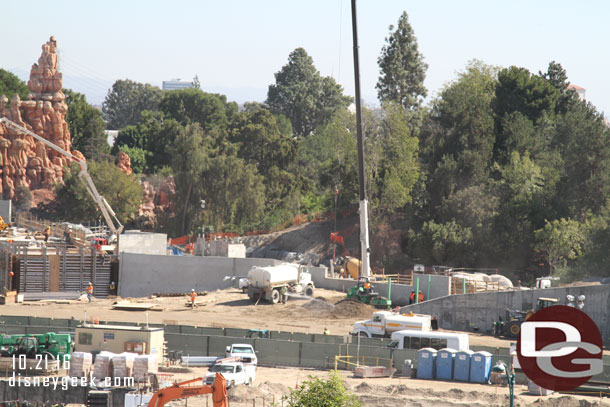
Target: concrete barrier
(277,353)
(318,355)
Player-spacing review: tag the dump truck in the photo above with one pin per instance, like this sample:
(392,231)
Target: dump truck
(384,323)
(270,282)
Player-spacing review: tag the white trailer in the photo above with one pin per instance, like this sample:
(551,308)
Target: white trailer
(268,282)
(384,323)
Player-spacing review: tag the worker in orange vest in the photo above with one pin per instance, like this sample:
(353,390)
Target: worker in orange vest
(90,292)
(367,287)
(420,297)
(193,296)
(412,297)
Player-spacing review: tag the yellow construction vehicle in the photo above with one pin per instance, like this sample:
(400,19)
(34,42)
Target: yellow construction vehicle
(349,266)
(3,224)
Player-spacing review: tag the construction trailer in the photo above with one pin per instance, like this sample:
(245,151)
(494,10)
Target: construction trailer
(144,340)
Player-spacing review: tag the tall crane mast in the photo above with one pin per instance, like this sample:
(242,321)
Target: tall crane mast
(84,176)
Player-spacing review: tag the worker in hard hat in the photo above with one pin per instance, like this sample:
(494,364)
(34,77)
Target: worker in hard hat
(326,331)
(193,297)
(90,292)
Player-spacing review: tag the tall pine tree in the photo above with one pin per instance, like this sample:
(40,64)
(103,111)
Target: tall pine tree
(402,67)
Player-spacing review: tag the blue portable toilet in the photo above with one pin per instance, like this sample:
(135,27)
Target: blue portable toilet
(426,363)
(480,367)
(444,363)
(461,366)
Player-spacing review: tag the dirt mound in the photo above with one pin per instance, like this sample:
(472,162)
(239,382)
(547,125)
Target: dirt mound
(566,401)
(352,309)
(319,305)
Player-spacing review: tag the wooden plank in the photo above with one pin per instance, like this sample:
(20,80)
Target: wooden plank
(54,267)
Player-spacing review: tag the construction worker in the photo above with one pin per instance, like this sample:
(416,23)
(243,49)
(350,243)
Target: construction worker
(420,297)
(193,296)
(326,331)
(90,292)
(284,295)
(367,287)
(412,297)
(112,288)
(47,233)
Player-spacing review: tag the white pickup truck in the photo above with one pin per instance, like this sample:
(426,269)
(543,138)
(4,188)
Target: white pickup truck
(234,372)
(244,351)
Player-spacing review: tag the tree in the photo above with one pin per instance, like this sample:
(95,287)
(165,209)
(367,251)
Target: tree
(190,105)
(303,96)
(123,192)
(322,393)
(560,240)
(190,160)
(126,100)
(196,84)
(86,126)
(11,84)
(402,67)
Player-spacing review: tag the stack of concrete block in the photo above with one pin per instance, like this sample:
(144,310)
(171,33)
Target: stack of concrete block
(102,368)
(122,364)
(80,364)
(143,365)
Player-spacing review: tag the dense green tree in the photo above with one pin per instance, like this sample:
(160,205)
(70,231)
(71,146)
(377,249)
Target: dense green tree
(73,203)
(11,84)
(402,67)
(126,100)
(558,78)
(442,243)
(394,172)
(86,126)
(190,105)
(322,393)
(560,240)
(190,158)
(131,136)
(458,135)
(303,96)
(518,90)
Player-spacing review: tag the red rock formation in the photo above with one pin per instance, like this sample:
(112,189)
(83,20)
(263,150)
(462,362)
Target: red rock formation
(124,163)
(156,201)
(24,161)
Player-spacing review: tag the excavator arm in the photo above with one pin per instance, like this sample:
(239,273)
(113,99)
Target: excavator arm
(218,390)
(107,211)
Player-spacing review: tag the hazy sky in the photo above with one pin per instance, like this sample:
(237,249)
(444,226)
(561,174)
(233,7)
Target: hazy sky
(235,47)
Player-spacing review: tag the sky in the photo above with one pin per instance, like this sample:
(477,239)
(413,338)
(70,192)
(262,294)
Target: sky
(236,46)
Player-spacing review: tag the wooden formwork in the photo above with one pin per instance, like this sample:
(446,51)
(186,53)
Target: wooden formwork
(55,269)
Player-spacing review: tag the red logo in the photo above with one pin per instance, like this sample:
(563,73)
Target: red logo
(560,348)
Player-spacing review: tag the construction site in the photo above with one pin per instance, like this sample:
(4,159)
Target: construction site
(100,315)
(144,329)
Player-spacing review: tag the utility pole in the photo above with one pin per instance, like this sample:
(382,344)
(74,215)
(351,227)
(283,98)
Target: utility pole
(363,203)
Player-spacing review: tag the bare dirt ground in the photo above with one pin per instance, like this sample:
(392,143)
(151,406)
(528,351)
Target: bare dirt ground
(231,308)
(273,383)
(228,308)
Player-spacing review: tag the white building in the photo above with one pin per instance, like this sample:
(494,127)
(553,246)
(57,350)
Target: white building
(580,91)
(176,84)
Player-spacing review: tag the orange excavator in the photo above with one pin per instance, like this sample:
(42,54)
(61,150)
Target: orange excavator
(218,390)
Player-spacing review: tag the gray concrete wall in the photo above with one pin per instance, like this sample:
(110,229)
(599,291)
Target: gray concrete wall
(141,275)
(480,310)
(439,285)
(144,243)
(6,210)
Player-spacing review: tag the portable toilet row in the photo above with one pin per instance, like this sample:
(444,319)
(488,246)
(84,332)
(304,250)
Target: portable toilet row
(449,364)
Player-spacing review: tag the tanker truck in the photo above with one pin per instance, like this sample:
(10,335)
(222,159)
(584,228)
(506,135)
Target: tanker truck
(384,323)
(269,282)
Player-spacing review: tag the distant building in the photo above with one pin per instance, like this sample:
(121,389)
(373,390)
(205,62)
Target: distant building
(176,84)
(580,91)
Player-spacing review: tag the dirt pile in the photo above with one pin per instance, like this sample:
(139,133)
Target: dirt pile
(341,309)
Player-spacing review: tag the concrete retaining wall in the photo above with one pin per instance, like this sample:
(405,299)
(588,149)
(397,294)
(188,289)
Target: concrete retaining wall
(480,310)
(141,275)
(440,286)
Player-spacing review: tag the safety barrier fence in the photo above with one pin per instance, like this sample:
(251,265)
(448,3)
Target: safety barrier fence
(301,350)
